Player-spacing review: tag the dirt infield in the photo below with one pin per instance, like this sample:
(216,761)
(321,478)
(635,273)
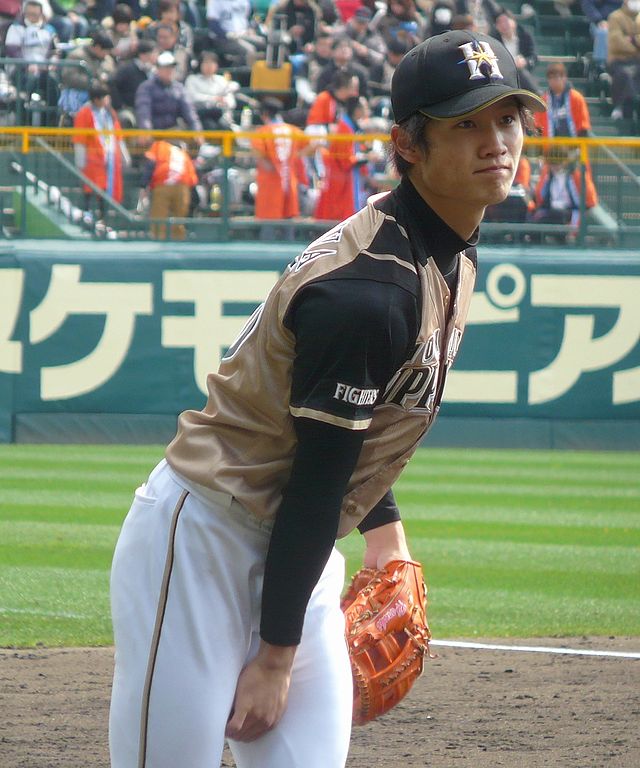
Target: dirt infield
(472,708)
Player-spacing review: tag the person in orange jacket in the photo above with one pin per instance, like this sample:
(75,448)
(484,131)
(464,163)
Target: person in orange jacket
(342,190)
(170,174)
(100,157)
(567,111)
(325,109)
(280,165)
(559,190)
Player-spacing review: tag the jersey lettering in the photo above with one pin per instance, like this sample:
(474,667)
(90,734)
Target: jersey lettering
(414,386)
(249,327)
(355,395)
(313,252)
(302,259)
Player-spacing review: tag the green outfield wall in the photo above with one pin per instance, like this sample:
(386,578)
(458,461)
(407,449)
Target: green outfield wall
(109,342)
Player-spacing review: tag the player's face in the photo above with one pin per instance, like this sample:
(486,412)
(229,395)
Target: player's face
(471,162)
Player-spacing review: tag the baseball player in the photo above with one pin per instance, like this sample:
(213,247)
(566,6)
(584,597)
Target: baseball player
(225,580)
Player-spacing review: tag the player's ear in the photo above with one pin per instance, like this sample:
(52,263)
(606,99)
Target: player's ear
(404,145)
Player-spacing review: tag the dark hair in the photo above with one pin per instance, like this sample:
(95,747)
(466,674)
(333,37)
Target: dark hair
(270,106)
(102,39)
(399,47)
(415,128)
(340,79)
(352,104)
(167,5)
(339,41)
(145,46)
(122,14)
(98,90)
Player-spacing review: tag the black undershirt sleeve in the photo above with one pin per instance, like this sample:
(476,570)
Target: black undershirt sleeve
(343,331)
(306,524)
(385,511)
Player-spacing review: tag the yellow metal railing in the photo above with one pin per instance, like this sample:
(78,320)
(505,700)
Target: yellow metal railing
(613,161)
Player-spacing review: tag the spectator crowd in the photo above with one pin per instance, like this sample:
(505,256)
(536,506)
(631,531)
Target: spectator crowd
(301,74)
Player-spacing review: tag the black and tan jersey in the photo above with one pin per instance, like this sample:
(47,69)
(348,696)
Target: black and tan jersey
(375,358)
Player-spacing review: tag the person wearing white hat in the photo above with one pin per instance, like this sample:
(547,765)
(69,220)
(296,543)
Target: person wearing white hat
(162,102)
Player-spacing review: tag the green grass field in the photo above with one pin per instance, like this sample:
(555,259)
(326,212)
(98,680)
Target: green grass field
(514,543)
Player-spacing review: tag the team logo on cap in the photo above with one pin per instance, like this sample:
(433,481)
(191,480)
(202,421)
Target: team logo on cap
(481,60)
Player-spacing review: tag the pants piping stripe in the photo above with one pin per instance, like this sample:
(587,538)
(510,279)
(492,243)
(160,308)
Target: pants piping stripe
(157,630)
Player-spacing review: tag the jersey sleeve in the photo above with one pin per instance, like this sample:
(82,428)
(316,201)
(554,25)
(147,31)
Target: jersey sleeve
(352,335)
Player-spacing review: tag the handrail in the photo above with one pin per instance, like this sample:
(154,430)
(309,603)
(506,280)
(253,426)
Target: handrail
(230,141)
(86,181)
(635,178)
(28,130)
(52,62)
(227,139)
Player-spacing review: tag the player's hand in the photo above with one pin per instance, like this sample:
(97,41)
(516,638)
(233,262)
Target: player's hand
(261,693)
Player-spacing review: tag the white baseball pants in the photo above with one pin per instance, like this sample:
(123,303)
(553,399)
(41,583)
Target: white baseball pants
(186,588)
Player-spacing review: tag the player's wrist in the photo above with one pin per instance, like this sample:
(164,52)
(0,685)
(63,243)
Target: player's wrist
(384,544)
(276,658)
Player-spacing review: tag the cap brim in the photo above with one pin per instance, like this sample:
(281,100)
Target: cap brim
(473,101)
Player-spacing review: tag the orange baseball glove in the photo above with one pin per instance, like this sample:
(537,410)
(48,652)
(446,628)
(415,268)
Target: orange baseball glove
(387,634)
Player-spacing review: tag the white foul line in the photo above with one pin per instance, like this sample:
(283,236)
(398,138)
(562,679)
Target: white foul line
(533,649)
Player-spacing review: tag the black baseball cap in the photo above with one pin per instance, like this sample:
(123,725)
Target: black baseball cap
(455,74)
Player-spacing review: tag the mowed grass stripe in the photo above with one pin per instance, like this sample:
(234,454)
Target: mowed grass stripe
(79,484)
(520,489)
(462,554)
(65,462)
(527,534)
(480,612)
(552,476)
(63,555)
(82,515)
(54,606)
(21,532)
(60,476)
(526,583)
(86,497)
(82,454)
(496,499)
(495,459)
(42,544)
(54,589)
(563,517)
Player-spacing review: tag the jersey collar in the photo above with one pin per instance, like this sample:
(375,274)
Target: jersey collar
(438,239)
